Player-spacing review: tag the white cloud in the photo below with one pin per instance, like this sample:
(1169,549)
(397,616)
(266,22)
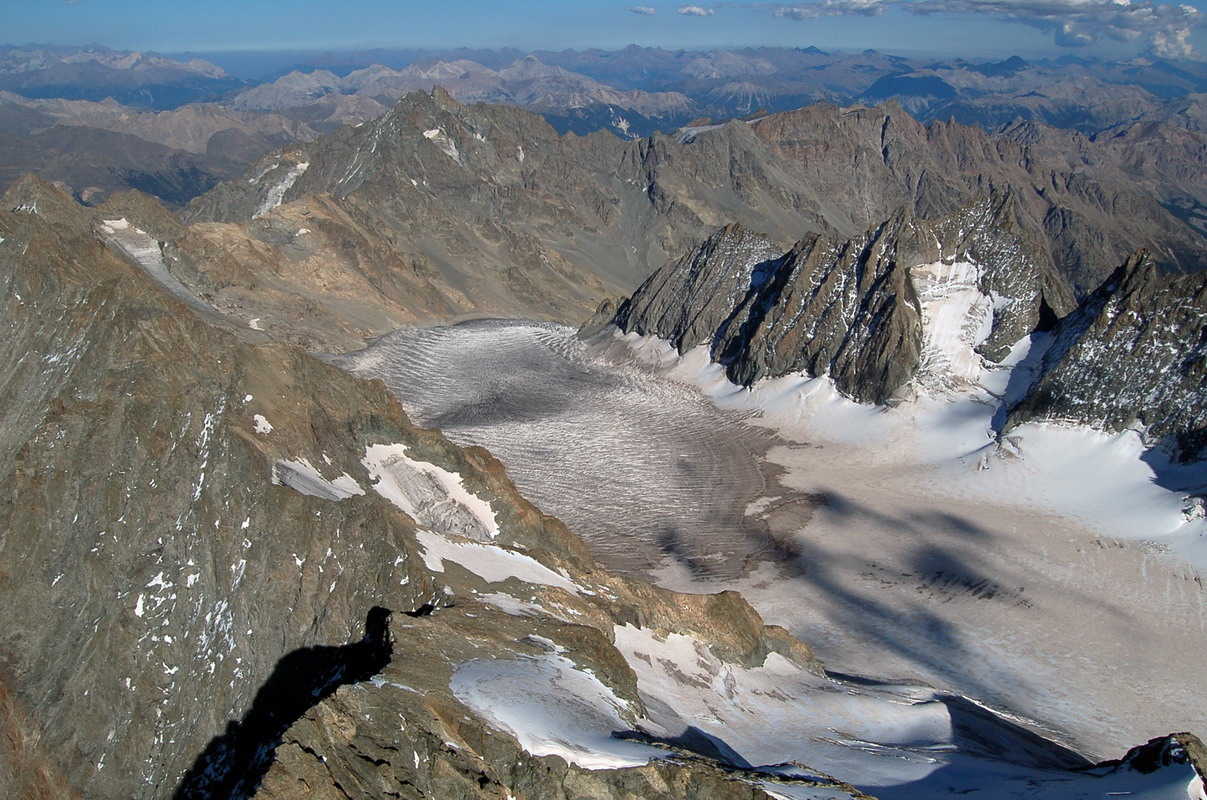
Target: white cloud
(696,11)
(643,10)
(1165,27)
(832,8)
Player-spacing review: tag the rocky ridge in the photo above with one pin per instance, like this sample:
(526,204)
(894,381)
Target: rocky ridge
(922,307)
(849,309)
(1133,355)
(440,210)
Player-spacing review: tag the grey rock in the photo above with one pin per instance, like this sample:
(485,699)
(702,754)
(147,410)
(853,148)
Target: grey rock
(1134,354)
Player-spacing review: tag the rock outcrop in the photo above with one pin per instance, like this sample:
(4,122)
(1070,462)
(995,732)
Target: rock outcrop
(1133,355)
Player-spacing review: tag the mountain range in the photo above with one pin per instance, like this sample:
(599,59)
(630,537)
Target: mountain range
(633,93)
(201,511)
(441,209)
(235,569)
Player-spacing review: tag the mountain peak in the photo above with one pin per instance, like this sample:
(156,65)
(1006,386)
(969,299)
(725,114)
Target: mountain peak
(33,195)
(444,100)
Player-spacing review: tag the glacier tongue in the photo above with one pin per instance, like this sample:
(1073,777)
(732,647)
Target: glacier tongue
(956,317)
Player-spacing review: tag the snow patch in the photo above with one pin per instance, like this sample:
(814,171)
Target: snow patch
(429,494)
(301,476)
(552,708)
(263,426)
(956,317)
(144,250)
(512,605)
(442,140)
(895,740)
(491,563)
(276,195)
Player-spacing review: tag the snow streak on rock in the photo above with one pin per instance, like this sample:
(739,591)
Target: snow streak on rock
(276,195)
(302,476)
(144,250)
(490,563)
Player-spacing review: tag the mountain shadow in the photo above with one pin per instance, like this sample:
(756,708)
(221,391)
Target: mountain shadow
(233,764)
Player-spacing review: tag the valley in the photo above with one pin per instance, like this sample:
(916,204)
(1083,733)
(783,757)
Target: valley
(889,566)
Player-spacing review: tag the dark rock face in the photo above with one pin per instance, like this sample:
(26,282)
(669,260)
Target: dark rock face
(1134,353)
(709,282)
(848,309)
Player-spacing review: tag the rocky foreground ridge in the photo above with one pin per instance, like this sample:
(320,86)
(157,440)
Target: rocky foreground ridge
(915,305)
(197,519)
(234,570)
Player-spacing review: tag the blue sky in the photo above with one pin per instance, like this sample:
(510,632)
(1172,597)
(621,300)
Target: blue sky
(991,27)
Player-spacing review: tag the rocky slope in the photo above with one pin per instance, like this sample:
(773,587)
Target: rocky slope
(1134,354)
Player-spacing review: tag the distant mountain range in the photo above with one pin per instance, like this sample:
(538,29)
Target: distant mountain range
(144,80)
(633,93)
(528,83)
